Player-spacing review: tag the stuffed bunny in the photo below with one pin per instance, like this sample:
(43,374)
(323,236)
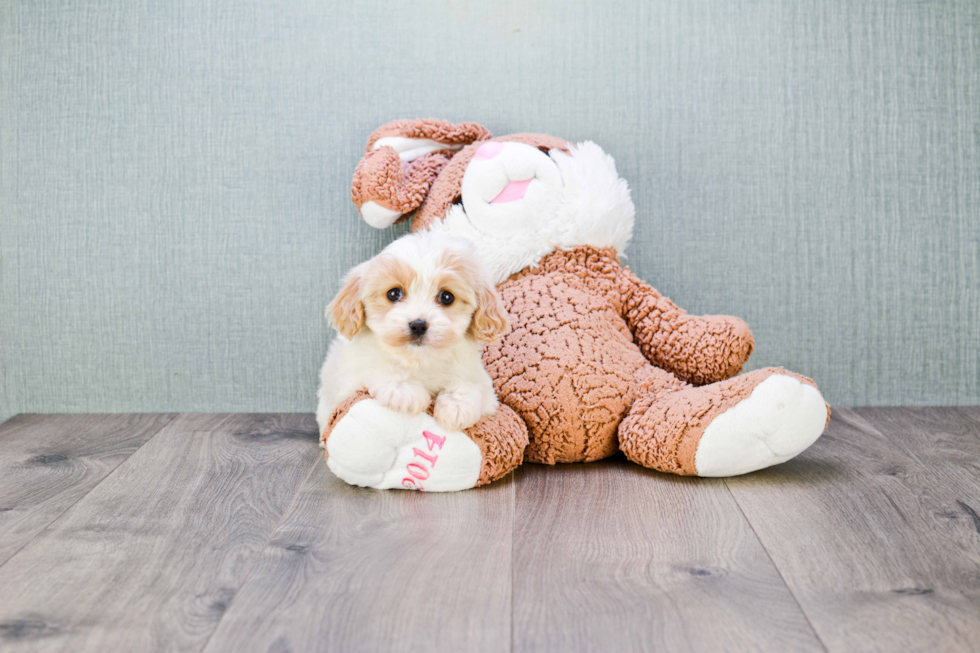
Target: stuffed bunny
(597,361)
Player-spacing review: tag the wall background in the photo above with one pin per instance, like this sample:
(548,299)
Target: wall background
(174,177)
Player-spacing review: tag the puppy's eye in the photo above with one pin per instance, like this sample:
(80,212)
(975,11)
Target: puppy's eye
(446,298)
(395,294)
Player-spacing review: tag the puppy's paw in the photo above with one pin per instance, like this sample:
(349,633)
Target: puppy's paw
(457,410)
(408,398)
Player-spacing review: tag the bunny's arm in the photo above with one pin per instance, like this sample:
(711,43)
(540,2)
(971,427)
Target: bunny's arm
(697,349)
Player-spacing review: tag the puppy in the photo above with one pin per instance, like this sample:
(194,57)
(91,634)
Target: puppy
(411,324)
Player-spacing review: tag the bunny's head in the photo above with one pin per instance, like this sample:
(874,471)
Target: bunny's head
(517,198)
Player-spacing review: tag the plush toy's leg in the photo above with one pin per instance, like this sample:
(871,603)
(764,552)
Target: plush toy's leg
(372,446)
(727,428)
(502,438)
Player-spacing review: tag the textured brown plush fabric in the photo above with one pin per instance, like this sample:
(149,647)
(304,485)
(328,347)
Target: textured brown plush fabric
(596,361)
(699,350)
(502,438)
(440,131)
(569,367)
(662,430)
(383,177)
(574,361)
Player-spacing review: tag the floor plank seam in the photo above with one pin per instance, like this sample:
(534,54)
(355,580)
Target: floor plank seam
(776,567)
(258,556)
(513,547)
(64,512)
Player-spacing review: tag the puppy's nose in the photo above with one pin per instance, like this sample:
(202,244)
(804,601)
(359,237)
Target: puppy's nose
(418,327)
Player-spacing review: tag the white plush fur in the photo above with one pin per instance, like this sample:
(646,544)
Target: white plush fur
(410,149)
(781,418)
(373,446)
(378,216)
(445,363)
(574,199)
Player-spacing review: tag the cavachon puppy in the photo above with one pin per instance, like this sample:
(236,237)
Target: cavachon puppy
(412,322)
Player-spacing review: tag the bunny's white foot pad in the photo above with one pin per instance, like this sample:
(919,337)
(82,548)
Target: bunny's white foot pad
(373,446)
(781,418)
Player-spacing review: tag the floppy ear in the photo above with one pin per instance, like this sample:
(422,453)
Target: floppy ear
(490,318)
(385,188)
(401,161)
(413,138)
(346,311)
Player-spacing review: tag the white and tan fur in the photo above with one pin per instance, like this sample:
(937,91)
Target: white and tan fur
(376,350)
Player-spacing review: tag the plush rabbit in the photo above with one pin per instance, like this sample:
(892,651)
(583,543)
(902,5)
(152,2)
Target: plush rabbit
(597,361)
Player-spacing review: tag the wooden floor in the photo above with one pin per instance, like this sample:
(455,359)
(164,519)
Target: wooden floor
(228,533)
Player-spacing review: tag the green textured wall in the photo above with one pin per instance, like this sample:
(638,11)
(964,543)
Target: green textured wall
(174,208)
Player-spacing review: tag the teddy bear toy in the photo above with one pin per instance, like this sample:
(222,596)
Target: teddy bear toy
(596,361)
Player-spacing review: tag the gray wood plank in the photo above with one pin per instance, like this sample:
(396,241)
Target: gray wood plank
(946,440)
(972,412)
(354,569)
(610,556)
(48,462)
(869,529)
(151,557)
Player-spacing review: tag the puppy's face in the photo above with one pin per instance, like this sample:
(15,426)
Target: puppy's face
(408,306)
(420,292)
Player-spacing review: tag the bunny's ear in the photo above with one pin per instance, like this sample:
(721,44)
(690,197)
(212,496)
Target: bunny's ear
(413,138)
(402,160)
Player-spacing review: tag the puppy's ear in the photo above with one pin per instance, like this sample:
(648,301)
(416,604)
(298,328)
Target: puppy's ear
(346,311)
(490,318)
